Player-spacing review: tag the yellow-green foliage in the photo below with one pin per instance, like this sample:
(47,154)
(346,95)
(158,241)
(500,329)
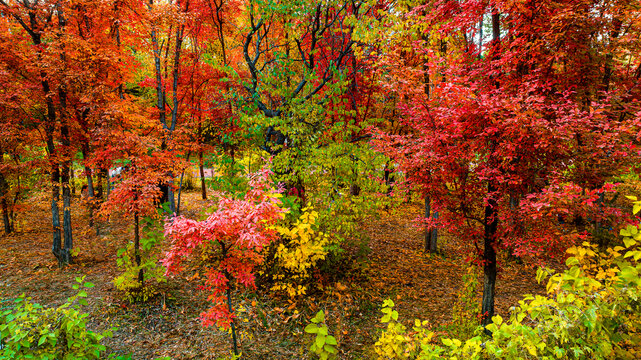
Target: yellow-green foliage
(592,311)
(466,310)
(303,246)
(324,345)
(396,342)
(153,273)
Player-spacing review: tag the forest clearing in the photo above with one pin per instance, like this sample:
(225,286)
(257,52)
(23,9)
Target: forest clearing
(335,179)
(392,264)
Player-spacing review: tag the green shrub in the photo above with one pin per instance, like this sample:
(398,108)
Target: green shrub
(466,311)
(324,345)
(31,331)
(153,272)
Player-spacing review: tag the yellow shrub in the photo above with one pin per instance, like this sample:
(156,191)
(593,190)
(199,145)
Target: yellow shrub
(302,248)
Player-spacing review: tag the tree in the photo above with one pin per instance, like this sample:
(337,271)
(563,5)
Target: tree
(63,54)
(532,108)
(235,233)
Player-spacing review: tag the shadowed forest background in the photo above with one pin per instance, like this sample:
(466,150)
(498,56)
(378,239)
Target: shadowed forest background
(263,179)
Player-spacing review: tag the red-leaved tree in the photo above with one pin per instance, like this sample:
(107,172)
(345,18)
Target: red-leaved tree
(540,117)
(236,233)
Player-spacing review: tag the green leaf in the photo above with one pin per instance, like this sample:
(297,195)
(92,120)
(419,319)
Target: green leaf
(330,349)
(331,340)
(311,328)
(320,341)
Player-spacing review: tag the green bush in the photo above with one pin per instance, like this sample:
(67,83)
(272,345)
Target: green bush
(31,331)
(324,345)
(153,273)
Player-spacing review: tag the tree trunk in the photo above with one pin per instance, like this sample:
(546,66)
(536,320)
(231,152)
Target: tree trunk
(180,190)
(172,197)
(72,179)
(233,323)
(4,192)
(90,195)
(489,255)
(229,307)
(55,212)
(203,186)
(490,222)
(66,217)
(65,257)
(98,191)
(141,278)
(431,233)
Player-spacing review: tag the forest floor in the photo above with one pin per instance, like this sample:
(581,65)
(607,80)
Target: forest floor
(390,263)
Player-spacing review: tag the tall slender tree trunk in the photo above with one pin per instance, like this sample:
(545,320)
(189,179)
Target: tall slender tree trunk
(431,235)
(55,193)
(137,258)
(203,186)
(65,254)
(72,179)
(229,307)
(4,192)
(65,257)
(66,217)
(489,255)
(55,212)
(490,222)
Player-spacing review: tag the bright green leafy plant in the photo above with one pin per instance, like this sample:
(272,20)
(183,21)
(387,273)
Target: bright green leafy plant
(152,273)
(324,345)
(31,331)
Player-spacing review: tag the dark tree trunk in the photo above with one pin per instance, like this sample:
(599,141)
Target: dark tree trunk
(55,171)
(180,190)
(172,197)
(90,195)
(65,256)
(4,192)
(137,258)
(55,212)
(431,234)
(233,322)
(203,186)
(490,221)
(489,255)
(72,179)
(98,191)
(66,218)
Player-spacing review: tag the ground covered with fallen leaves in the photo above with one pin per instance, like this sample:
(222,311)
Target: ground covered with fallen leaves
(390,263)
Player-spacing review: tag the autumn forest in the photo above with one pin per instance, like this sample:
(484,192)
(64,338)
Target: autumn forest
(320,179)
